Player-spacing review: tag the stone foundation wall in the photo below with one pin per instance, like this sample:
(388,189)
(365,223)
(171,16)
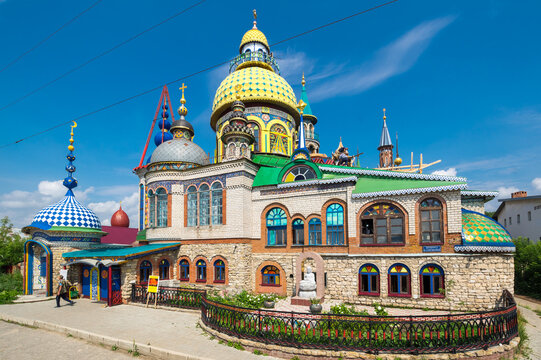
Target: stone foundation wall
(74,273)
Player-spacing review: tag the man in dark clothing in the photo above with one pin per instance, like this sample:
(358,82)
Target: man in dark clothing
(62,291)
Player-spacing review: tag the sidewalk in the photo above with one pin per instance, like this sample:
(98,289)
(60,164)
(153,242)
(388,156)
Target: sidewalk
(162,333)
(533,327)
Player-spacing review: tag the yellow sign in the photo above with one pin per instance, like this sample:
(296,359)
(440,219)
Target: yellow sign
(153,282)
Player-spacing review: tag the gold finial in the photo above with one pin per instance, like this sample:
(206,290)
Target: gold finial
(70,146)
(182,100)
(384,116)
(303,81)
(238,88)
(255,19)
(301,105)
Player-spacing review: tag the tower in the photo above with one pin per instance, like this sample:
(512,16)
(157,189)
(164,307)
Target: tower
(236,135)
(385,147)
(309,120)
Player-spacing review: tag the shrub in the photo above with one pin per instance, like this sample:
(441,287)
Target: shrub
(380,310)
(528,268)
(343,309)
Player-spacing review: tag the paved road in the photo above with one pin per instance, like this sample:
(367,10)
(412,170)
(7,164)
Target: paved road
(533,327)
(171,330)
(21,343)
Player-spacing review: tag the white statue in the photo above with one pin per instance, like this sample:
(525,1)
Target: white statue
(308,285)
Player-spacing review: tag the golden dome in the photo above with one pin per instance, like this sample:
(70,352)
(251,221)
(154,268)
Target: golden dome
(254,35)
(258,84)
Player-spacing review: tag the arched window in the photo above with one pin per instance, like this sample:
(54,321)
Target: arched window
(335,224)
(141,207)
(255,129)
(314,232)
(247,51)
(219,271)
(431,281)
(369,280)
(278,139)
(145,270)
(164,269)
(399,280)
(201,266)
(161,196)
(204,205)
(192,206)
(276,227)
(299,173)
(382,224)
(151,209)
(270,276)
(298,232)
(184,270)
(216,194)
(431,221)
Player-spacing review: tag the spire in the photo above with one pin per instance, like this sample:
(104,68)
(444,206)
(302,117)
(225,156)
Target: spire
(302,140)
(70,182)
(304,98)
(385,137)
(255,19)
(182,128)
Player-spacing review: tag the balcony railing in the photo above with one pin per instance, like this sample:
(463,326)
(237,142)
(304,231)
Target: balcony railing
(312,135)
(254,56)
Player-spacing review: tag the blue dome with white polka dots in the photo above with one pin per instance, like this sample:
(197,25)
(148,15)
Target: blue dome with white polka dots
(68,212)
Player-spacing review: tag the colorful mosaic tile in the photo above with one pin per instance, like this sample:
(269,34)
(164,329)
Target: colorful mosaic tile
(478,229)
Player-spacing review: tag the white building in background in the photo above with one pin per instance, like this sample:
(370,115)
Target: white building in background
(521,215)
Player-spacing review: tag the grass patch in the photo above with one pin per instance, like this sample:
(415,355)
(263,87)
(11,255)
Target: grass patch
(235,344)
(538,312)
(134,351)
(523,349)
(114,347)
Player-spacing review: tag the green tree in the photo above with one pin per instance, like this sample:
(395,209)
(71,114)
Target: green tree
(11,245)
(528,268)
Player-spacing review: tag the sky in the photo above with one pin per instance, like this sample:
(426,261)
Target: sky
(460,81)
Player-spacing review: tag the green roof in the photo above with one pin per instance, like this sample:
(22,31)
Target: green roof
(270,160)
(266,176)
(125,252)
(370,184)
(76,229)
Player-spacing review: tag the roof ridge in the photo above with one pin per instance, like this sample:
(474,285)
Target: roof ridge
(395,174)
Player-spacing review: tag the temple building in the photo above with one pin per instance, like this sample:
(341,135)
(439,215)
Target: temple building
(267,204)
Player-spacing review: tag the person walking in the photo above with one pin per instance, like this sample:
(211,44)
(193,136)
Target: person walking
(62,291)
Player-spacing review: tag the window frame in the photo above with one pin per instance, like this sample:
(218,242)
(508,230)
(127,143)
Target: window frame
(399,281)
(151,209)
(192,208)
(281,228)
(147,266)
(201,267)
(161,207)
(203,194)
(441,276)
(335,232)
(216,206)
(312,229)
(297,228)
(184,264)
(429,209)
(161,268)
(403,215)
(273,276)
(220,268)
(370,276)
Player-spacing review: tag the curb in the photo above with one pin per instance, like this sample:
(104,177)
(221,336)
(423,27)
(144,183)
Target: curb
(34,300)
(98,339)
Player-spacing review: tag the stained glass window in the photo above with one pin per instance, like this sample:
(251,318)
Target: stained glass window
(399,280)
(184,270)
(192,206)
(145,270)
(161,196)
(255,129)
(299,173)
(431,222)
(270,275)
(314,232)
(219,271)
(164,269)
(276,227)
(201,266)
(335,224)
(431,280)
(278,139)
(382,224)
(298,232)
(368,280)
(216,193)
(204,205)
(151,209)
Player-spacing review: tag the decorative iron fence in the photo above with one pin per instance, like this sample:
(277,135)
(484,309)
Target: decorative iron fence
(169,296)
(371,334)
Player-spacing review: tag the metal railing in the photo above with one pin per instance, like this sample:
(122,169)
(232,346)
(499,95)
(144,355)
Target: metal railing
(169,296)
(254,56)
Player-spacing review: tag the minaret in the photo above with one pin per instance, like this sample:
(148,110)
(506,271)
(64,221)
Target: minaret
(309,120)
(182,128)
(237,136)
(70,182)
(301,152)
(385,147)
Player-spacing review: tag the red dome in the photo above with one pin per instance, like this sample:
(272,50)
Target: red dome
(120,218)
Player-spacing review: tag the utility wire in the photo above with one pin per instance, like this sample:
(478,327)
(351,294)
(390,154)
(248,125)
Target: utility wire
(187,76)
(17,59)
(47,84)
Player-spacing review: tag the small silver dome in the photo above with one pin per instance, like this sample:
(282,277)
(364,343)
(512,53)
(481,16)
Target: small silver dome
(180,151)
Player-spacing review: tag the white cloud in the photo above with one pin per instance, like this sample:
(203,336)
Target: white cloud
(105,209)
(537,183)
(392,60)
(448,172)
(506,191)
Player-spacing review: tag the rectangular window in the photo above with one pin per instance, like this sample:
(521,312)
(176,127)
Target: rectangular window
(529,216)
(314,233)
(298,236)
(505,222)
(518,218)
(364,283)
(394,284)
(510,221)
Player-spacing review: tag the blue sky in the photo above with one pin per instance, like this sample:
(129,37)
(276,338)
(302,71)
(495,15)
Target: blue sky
(460,81)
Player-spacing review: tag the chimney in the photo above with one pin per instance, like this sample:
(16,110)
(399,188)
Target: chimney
(519,194)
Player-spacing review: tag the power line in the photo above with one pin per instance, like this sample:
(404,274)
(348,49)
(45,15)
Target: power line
(47,84)
(41,42)
(188,76)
